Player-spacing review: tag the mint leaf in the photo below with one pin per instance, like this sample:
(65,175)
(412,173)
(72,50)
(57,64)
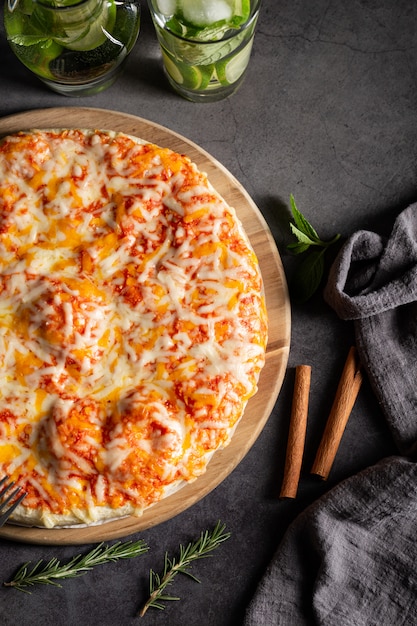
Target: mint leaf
(298,247)
(301,236)
(302,223)
(308,276)
(31,40)
(309,273)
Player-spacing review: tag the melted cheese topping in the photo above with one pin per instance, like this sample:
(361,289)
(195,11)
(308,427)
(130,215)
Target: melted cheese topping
(132,323)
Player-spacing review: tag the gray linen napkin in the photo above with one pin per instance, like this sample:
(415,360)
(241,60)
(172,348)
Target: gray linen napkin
(374,283)
(350,559)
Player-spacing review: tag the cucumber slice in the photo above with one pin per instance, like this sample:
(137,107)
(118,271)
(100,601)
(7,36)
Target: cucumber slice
(230,70)
(200,20)
(215,32)
(188,76)
(89,31)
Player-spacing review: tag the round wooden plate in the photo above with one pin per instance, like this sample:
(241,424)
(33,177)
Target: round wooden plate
(260,406)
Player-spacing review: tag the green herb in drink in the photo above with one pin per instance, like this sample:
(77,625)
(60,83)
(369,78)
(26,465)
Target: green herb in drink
(205,46)
(72,45)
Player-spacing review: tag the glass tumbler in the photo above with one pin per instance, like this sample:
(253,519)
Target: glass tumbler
(206,44)
(76,47)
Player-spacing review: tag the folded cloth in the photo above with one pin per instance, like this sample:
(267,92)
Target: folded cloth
(350,558)
(374,282)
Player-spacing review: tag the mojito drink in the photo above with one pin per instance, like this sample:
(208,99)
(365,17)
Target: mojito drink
(76,47)
(205,44)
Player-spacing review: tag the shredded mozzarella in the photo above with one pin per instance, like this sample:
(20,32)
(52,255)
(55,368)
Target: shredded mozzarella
(132,320)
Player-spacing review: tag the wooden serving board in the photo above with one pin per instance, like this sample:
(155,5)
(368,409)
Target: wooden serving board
(260,406)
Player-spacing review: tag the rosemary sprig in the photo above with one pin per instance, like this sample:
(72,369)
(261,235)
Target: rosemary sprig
(47,573)
(201,548)
(309,273)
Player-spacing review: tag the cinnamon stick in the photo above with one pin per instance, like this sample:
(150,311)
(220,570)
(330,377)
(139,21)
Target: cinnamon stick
(346,394)
(297,432)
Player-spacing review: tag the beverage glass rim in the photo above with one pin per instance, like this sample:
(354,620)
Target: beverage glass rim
(50,5)
(230,34)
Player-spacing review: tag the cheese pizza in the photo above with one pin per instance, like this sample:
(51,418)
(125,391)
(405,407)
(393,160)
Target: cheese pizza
(133,324)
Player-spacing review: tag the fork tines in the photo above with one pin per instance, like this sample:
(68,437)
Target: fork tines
(7,498)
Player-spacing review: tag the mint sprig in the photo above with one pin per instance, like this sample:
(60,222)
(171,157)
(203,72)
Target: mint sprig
(32,40)
(308,276)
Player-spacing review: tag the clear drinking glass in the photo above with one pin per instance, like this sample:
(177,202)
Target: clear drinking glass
(205,44)
(76,47)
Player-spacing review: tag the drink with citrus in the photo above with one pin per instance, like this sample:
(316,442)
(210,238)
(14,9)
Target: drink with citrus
(205,44)
(76,47)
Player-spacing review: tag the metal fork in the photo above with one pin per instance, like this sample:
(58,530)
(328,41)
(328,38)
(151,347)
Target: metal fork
(7,502)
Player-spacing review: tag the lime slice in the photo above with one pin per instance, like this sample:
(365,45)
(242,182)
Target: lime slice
(188,76)
(44,58)
(241,8)
(38,56)
(230,70)
(35,49)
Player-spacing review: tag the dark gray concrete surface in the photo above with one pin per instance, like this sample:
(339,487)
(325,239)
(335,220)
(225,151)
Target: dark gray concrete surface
(328,112)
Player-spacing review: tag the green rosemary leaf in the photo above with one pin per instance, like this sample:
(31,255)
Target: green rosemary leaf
(190,575)
(201,548)
(168,598)
(52,571)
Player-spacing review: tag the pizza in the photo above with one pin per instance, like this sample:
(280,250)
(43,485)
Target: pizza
(133,323)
